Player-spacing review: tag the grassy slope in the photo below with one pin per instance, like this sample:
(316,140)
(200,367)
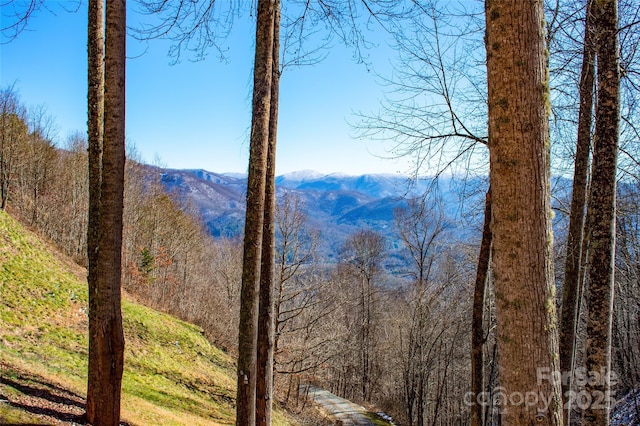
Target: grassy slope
(172,374)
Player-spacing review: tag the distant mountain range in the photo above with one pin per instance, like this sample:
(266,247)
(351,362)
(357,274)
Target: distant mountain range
(336,204)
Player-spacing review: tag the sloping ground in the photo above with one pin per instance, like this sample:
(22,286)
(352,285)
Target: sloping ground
(173,376)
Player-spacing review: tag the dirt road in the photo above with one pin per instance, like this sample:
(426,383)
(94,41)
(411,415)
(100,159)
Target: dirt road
(341,409)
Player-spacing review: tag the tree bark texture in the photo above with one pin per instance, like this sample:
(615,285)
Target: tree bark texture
(109,343)
(259,141)
(602,211)
(518,101)
(266,336)
(477,326)
(573,263)
(95,108)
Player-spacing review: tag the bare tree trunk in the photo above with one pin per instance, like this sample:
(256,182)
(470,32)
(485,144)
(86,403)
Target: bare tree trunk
(602,212)
(247,330)
(264,357)
(421,390)
(477,326)
(95,107)
(518,100)
(266,336)
(104,398)
(573,276)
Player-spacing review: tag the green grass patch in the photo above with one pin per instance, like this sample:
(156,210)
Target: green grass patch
(173,375)
(10,415)
(376,420)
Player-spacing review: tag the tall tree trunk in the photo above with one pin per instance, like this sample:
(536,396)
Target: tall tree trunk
(518,97)
(95,108)
(421,397)
(104,398)
(602,211)
(247,330)
(266,335)
(477,326)
(573,263)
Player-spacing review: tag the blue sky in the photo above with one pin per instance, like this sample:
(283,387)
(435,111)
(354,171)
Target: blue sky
(197,114)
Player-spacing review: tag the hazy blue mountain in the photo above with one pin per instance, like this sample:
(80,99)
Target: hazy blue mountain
(220,199)
(373,185)
(337,205)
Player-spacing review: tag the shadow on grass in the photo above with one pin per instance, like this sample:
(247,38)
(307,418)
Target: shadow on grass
(49,412)
(44,391)
(21,424)
(41,398)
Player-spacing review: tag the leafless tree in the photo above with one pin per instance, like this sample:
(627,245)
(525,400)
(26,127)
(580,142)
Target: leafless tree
(16,16)
(626,321)
(601,208)
(191,26)
(105,376)
(573,264)
(254,224)
(421,226)
(521,212)
(266,311)
(13,135)
(437,100)
(363,253)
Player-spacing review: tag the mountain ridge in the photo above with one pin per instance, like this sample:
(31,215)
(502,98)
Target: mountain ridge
(338,204)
